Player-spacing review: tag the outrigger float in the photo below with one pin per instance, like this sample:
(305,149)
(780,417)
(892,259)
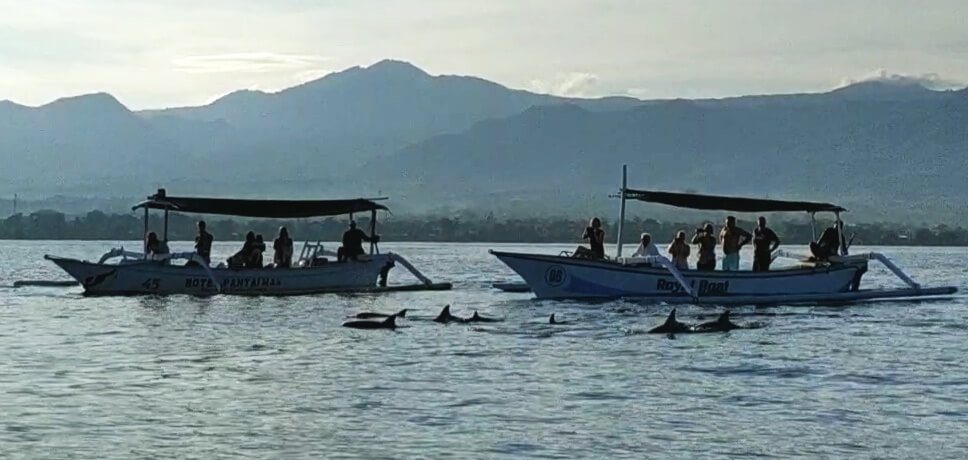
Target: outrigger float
(837,280)
(122,272)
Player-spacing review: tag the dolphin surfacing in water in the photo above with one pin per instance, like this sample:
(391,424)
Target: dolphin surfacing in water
(389,323)
(371,315)
(476,318)
(671,326)
(553,320)
(445,316)
(722,324)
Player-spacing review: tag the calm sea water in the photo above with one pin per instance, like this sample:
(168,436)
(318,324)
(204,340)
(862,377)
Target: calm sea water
(182,377)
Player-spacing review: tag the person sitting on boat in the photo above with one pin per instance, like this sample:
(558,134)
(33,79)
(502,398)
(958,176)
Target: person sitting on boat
(353,243)
(646,247)
(596,241)
(239,259)
(255,254)
(765,242)
(827,245)
(282,249)
(156,248)
(679,251)
(706,240)
(203,243)
(733,239)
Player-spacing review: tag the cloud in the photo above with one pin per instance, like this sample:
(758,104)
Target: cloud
(928,80)
(567,84)
(252,62)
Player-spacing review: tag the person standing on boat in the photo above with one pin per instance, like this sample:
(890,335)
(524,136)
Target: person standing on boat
(733,239)
(203,243)
(282,247)
(707,248)
(596,241)
(765,242)
(679,251)
(353,243)
(646,247)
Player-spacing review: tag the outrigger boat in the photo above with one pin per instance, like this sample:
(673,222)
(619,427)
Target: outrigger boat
(835,280)
(134,273)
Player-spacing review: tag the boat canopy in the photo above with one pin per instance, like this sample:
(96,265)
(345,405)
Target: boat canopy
(728,203)
(273,209)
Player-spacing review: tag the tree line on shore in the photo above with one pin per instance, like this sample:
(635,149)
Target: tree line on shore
(96,225)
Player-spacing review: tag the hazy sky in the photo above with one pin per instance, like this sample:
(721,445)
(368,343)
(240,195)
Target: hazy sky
(162,53)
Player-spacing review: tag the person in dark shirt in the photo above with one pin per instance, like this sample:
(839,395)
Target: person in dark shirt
(353,243)
(827,245)
(203,243)
(241,259)
(596,241)
(765,242)
(255,254)
(282,249)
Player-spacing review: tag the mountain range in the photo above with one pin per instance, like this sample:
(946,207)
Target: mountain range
(446,143)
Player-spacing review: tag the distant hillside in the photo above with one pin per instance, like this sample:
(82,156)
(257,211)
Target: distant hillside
(445,143)
(886,152)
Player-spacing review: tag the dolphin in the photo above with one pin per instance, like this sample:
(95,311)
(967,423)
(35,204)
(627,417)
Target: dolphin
(671,326)
(722,324)
(389,323)
(553,320)
(445,317)
(371,315)
(475,318)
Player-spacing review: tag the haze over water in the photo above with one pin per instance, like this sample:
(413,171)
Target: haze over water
(182,377)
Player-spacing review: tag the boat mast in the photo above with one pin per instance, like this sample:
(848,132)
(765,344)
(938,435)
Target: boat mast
(621,212)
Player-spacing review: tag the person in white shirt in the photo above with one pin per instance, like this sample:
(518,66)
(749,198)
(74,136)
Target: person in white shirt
(646,247)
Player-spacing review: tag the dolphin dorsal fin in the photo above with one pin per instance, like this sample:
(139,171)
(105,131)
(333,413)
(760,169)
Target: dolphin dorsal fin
(390,321)
(551,320)
(475,315)
(402,313)
(724,317)
(672,317)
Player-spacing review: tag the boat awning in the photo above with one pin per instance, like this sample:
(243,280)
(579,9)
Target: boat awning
(272,209)
(727,203)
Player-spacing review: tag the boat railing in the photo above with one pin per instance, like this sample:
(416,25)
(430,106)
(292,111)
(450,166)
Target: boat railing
(190,256)
(855,258)
(664,263)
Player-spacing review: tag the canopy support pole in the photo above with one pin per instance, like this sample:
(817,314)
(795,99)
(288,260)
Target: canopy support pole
(144,237)
(621,212)
(840,234)
(372,231)
(166,224)
(813,225)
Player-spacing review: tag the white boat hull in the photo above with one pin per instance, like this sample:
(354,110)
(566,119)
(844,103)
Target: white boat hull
(150,277)
(559,277)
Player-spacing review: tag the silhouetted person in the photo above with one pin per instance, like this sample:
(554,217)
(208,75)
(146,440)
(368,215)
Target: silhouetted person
(282,249)
(203,243)
(596,241)
(155,247)
(353,243)
(646,247)
(255,254)
(706,240)
(765,242)
(733,239)
(240,259)
(827,245)
(679,251)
